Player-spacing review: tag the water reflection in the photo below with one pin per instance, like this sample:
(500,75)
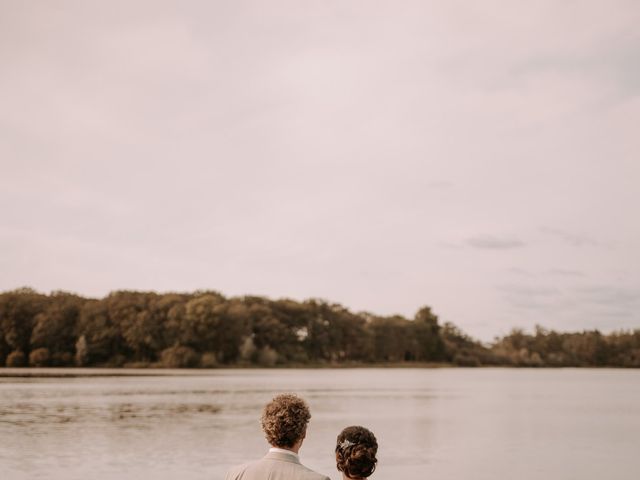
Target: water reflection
(23,414)
(447,424)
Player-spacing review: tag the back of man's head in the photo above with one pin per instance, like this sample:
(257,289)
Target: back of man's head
(284,420)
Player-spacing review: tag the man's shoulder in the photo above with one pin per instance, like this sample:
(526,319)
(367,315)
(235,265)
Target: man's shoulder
(313,475)
(238,472)
(317,476)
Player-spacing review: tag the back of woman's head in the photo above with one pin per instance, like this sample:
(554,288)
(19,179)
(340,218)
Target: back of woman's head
(356,451)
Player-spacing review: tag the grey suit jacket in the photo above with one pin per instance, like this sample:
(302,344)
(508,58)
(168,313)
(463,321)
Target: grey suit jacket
(274,466)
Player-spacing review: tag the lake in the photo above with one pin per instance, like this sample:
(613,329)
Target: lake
(444,424)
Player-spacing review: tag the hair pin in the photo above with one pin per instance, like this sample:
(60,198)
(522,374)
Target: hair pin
(346,443)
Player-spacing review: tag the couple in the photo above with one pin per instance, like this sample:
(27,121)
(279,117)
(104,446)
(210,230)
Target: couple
(284,421)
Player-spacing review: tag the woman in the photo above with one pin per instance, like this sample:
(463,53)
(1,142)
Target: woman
(356,453)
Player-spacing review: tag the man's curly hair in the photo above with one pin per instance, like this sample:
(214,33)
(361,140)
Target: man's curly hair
(284,420)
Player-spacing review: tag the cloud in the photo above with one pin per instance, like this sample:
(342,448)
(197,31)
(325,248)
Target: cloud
(528,297)
(559,272)
(531,291)
(494,243)
(566,272)
(572,308)
(574,239)
(619,297)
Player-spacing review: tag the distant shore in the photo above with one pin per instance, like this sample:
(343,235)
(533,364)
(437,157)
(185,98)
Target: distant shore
(137,371)
(205,329)
(132,371)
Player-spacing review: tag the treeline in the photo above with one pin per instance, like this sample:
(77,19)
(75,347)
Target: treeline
(546,348)
(206,329)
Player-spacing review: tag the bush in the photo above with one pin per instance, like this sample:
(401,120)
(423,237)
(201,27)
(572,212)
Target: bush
(463,360)
(267,357)
(16,359)
(140,364)
(40,357)
(62,359)
(209,360)
(116,361)
(179,357)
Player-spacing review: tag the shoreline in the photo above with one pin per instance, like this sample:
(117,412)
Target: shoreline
(80,372)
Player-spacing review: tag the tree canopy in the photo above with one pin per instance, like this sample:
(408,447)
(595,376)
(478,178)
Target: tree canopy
(207,329)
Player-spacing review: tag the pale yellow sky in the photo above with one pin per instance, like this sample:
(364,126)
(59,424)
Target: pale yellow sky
(478,157)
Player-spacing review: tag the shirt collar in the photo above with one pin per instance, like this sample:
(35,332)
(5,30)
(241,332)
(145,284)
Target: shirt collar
(282,450)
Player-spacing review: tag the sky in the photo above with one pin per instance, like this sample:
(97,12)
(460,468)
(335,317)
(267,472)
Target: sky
(482,158)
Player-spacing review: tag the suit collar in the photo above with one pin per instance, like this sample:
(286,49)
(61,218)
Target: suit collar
(283,457)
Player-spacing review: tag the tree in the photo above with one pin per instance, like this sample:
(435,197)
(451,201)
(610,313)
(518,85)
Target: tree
(213,325)
(55,327)
(179,356)
(391,339)
(428,344)
(16,359)
(102,336)
(39,357)
(267,357)
(129,313)
(18,310)
(206,329)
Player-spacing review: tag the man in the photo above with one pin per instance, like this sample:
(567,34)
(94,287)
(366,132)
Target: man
(284,422)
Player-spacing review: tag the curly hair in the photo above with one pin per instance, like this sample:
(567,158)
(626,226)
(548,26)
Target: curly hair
(356,451)
(284,420)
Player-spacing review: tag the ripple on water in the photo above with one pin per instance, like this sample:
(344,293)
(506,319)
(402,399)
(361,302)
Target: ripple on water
(25,413)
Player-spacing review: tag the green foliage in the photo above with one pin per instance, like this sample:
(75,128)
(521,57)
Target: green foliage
(209,360)
(584,349)
(427,344)
(267,357)
(391,342)
(16,359)
(18,310)
(54,328)
(179,356)
(40,357)
(206,329)
(102,335)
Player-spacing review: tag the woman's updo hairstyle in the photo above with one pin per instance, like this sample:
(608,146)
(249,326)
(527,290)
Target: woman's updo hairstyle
(356,452)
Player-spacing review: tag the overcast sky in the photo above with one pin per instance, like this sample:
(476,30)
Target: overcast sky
(482,158)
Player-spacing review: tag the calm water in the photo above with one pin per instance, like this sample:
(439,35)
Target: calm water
(439,424)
